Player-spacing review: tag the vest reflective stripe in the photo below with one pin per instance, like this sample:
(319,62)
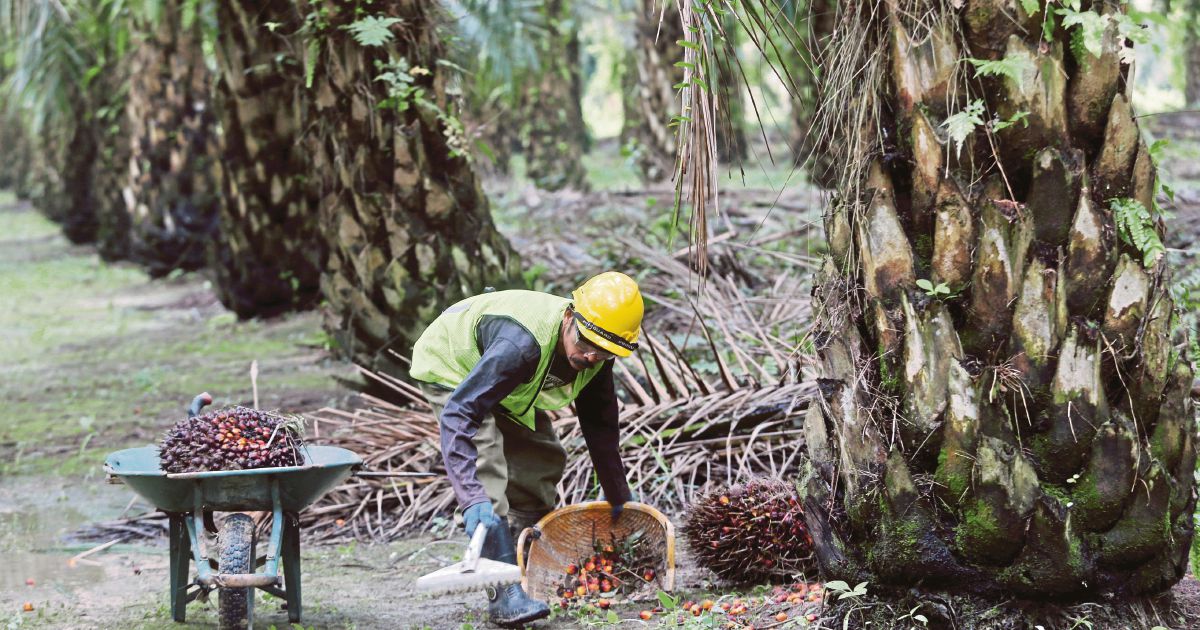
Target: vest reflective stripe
(448,350)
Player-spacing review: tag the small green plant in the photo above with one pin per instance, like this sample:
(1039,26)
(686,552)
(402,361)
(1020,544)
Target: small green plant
(1017,117)
(1135,226)
(589,616)
(372,30)
(937,291)
(1013,67)
(347,549)
(1090,29)
(912,615)
(403,91)
(961,125)
(532,276)
(1080,622)
(844,591)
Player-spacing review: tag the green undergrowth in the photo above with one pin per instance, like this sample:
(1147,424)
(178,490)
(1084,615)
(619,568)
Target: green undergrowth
(98,356)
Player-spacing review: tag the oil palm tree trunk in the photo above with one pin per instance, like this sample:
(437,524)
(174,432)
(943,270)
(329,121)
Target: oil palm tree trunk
(555,134)
(1191,53)
(268,256)
(13,147)
(110,172)
(12,138)
(655,75)
(65,194)
(173,187)
(408,227)
(1004,389)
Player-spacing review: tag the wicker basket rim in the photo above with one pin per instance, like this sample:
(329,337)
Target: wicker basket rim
(591,506)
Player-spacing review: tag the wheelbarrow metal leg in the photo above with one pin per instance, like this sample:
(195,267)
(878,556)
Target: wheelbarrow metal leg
(181,553)
(195,527)
(272,566)
(291,565)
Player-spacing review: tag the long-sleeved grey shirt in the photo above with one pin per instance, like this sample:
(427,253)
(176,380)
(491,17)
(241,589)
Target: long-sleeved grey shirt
(509,356)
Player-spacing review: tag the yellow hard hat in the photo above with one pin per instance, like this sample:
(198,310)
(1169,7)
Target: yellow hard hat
(608,312)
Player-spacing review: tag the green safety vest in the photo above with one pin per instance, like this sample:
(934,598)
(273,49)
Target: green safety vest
(448,350)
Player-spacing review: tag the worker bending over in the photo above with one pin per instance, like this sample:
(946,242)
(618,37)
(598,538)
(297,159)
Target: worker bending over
(490,365)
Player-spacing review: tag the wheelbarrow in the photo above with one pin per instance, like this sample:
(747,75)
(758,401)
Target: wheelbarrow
(189,500)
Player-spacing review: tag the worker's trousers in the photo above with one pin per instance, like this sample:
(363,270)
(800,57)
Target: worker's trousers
(518,468)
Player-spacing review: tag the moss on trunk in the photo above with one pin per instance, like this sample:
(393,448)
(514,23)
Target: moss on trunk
(1036,419)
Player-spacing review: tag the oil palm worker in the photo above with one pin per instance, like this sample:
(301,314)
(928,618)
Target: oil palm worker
(491,365)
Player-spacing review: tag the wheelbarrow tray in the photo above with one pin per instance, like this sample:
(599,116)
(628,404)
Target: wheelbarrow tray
(323,468)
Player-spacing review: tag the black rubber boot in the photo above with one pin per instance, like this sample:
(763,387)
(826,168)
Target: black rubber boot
(519,520)
(509,606)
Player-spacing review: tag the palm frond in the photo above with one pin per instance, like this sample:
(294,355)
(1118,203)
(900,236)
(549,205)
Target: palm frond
(497,41)
(56,51)
(778,29)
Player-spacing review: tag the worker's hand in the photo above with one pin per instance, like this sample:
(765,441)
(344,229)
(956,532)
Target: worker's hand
(479,514)
(617,510)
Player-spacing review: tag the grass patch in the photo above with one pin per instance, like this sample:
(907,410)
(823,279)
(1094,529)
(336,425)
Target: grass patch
(100,357)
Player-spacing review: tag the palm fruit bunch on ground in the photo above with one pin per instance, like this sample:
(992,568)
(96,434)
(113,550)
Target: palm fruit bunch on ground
(235,438)
(619,567)
(752,532)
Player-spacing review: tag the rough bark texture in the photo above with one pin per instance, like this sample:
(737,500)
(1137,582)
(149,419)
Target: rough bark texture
(110,172)
(495,124)
(14,150)
(45,171)
(654,77)
(555,135)
(408,226)
(66,194)
(173,189)
(269,256)
(1191,53)
(1032,433)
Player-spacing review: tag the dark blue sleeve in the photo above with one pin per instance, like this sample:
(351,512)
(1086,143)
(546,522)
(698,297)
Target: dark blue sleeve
(509,357)
(597,409)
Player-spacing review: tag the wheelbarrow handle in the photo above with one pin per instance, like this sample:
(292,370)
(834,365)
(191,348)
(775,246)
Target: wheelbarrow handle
(198,403)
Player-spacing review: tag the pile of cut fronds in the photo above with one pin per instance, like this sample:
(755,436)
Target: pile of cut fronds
(682,436)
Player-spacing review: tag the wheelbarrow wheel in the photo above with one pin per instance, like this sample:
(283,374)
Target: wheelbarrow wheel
(235,606)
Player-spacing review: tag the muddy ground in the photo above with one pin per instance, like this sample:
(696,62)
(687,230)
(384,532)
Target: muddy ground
(98,357)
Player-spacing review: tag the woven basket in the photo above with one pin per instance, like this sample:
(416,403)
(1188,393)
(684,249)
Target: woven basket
(566,534)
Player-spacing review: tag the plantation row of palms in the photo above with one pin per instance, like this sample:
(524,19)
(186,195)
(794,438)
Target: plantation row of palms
(306,151)
(1005,385)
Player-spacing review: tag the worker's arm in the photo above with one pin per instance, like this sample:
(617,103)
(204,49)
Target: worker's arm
(509,357)
(597,409)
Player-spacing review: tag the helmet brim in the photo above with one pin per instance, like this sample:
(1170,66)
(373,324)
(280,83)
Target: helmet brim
(602,343)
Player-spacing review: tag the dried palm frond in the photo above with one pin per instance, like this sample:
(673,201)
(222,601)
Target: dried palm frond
(713,397)
(682,436)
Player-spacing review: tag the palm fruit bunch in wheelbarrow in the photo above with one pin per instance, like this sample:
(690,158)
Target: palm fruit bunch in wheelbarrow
(234,438)
(751,532)
(618,567)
